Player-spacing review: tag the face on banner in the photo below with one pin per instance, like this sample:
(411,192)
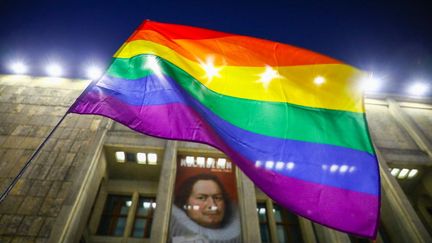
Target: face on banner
(205,201)
(206,205)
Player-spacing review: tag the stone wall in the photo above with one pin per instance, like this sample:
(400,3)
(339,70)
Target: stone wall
(29,109)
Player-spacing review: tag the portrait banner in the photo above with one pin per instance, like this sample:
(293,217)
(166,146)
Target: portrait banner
(205,201)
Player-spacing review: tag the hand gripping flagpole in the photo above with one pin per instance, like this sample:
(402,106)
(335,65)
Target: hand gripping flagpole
(38,149)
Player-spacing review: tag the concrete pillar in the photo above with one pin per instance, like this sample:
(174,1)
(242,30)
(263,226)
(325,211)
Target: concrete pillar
(99,205)
(397,213)
(131,215)
(271,220)
(307,230)
(73,215)
(247,206)
(327,235)
(159,231)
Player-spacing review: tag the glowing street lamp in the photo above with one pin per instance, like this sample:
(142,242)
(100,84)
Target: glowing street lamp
(93,72)
(18,68)
(371,83)
(418,89)
(54,70)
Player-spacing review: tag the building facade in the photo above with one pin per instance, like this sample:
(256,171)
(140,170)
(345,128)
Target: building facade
(96,180)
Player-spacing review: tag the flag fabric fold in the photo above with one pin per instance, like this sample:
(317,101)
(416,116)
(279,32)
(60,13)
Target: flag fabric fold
(292,120)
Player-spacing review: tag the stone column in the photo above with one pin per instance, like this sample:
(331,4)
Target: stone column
(131,215)
(271,220)
(159,231)
(307,230)
(72,218)
(328,235)
(247,206)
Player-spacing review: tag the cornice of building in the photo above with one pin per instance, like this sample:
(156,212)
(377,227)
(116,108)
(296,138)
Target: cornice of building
(43,82)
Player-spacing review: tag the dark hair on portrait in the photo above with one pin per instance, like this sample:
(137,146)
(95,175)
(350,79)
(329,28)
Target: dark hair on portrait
(184,191)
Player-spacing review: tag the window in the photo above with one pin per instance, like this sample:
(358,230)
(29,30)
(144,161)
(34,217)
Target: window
(137,158)
(429,209)
(131,157)
(113,220)
(403,173)
(263,222)
(287,225)
(279,226)
(117,211)
(125,205)
(144,217)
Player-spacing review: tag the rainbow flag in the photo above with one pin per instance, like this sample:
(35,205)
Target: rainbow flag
(291,119)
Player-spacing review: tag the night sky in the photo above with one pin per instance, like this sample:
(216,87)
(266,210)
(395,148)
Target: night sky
(391,39)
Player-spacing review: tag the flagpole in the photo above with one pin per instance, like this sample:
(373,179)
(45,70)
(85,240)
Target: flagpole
(26,165)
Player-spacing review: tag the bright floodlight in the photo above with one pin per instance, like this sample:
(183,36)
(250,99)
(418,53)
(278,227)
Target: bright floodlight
(412,173)
(403,174)
(94,73)
(152,158)
(395,171)
(371,83)
(18,68)
(141,158)
(120,156)
(54,70)
(418,89)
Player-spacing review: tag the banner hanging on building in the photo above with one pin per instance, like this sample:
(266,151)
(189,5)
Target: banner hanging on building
(205,201)
(292,120)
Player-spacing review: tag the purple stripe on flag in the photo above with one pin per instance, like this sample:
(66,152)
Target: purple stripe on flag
(351,211)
